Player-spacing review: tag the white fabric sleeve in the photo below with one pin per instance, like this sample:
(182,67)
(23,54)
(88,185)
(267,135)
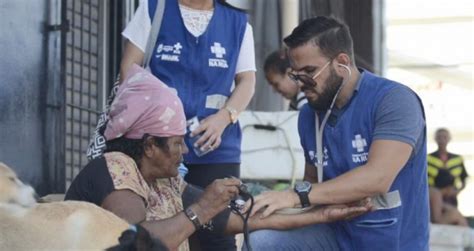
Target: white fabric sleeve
(138,29)
(300,100)
(246,59)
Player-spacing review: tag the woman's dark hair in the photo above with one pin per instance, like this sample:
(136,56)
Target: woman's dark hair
(135,148)
(277,62)
(329,34)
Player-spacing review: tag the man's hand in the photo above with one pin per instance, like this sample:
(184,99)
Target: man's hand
(273,200)
(212,128)
(216,197)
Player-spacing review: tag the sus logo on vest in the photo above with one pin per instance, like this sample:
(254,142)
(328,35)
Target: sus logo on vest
(359,144)
(219,52)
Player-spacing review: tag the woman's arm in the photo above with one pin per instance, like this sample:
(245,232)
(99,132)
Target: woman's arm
(231,223)
(174,230)
(131,55)
(131,207)
(283,222)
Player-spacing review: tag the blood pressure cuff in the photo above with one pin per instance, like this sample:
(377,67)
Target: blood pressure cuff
(191,195)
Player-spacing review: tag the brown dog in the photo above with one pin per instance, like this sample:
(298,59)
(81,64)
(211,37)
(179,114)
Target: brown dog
(67,225)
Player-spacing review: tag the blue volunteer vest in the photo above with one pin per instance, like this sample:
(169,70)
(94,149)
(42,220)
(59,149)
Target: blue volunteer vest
(201,69)
(346,146)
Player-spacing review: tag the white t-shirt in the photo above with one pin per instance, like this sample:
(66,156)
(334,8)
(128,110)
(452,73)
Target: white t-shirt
(196,21)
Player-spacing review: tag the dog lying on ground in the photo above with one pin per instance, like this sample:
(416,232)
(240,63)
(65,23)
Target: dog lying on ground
(67,225)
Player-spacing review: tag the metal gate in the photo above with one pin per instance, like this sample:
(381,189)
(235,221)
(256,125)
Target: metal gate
(90,56)
(83,79)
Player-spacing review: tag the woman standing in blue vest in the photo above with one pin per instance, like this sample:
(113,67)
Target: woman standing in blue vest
(362,136)
(205,51)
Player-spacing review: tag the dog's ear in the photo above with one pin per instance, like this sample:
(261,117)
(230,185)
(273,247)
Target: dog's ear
(139,240)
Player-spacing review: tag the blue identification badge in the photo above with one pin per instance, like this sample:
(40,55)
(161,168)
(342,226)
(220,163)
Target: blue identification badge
(193,124)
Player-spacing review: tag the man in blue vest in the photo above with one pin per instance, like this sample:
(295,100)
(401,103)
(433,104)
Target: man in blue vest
(363,136)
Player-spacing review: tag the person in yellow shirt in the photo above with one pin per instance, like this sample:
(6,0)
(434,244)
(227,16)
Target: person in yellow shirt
(442,212)
(442,159)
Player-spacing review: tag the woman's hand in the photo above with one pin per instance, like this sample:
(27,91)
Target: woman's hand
(339,212)
(216,197)
(211,128)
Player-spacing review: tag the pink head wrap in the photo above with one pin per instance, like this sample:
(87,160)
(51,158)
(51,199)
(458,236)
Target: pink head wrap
(144,104)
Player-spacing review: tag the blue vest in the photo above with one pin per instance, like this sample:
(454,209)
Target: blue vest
(346,146)
(201,69)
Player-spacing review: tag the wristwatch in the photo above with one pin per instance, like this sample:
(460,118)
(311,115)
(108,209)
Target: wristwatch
(232,113)
(192,217)
(302,188)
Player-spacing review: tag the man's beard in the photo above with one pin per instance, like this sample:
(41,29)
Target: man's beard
(325,98)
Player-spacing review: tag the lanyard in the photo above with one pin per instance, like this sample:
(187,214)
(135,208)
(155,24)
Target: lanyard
(319,144)
(320,130)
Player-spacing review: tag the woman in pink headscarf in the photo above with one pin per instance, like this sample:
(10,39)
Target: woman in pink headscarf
(137,178)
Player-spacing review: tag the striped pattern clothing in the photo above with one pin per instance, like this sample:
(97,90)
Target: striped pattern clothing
(298,101)
(454,164)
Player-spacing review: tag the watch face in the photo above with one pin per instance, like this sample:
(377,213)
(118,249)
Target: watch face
(303,186)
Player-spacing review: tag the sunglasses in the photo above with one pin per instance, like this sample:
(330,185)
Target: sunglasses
(305,79)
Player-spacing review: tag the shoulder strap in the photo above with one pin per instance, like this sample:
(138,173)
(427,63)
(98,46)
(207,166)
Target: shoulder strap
(97,143)
(155,29)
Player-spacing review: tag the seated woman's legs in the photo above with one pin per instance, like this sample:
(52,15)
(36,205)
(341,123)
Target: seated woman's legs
(453,216)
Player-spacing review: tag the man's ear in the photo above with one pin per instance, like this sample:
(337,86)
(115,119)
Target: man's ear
(343,61)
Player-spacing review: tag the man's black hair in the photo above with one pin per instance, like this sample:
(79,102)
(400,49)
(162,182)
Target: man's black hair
(442,129)
(135,148)
(444,179)
(329,34)
(277,62)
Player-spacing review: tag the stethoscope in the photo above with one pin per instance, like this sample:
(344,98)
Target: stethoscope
(320,129)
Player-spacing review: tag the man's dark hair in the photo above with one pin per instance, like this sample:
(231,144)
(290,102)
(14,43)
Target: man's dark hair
(442,129)
(135,148)
(330,35)
(276,62)
(444,179)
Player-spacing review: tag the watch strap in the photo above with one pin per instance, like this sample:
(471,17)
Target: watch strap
(304,199)
(192,217)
